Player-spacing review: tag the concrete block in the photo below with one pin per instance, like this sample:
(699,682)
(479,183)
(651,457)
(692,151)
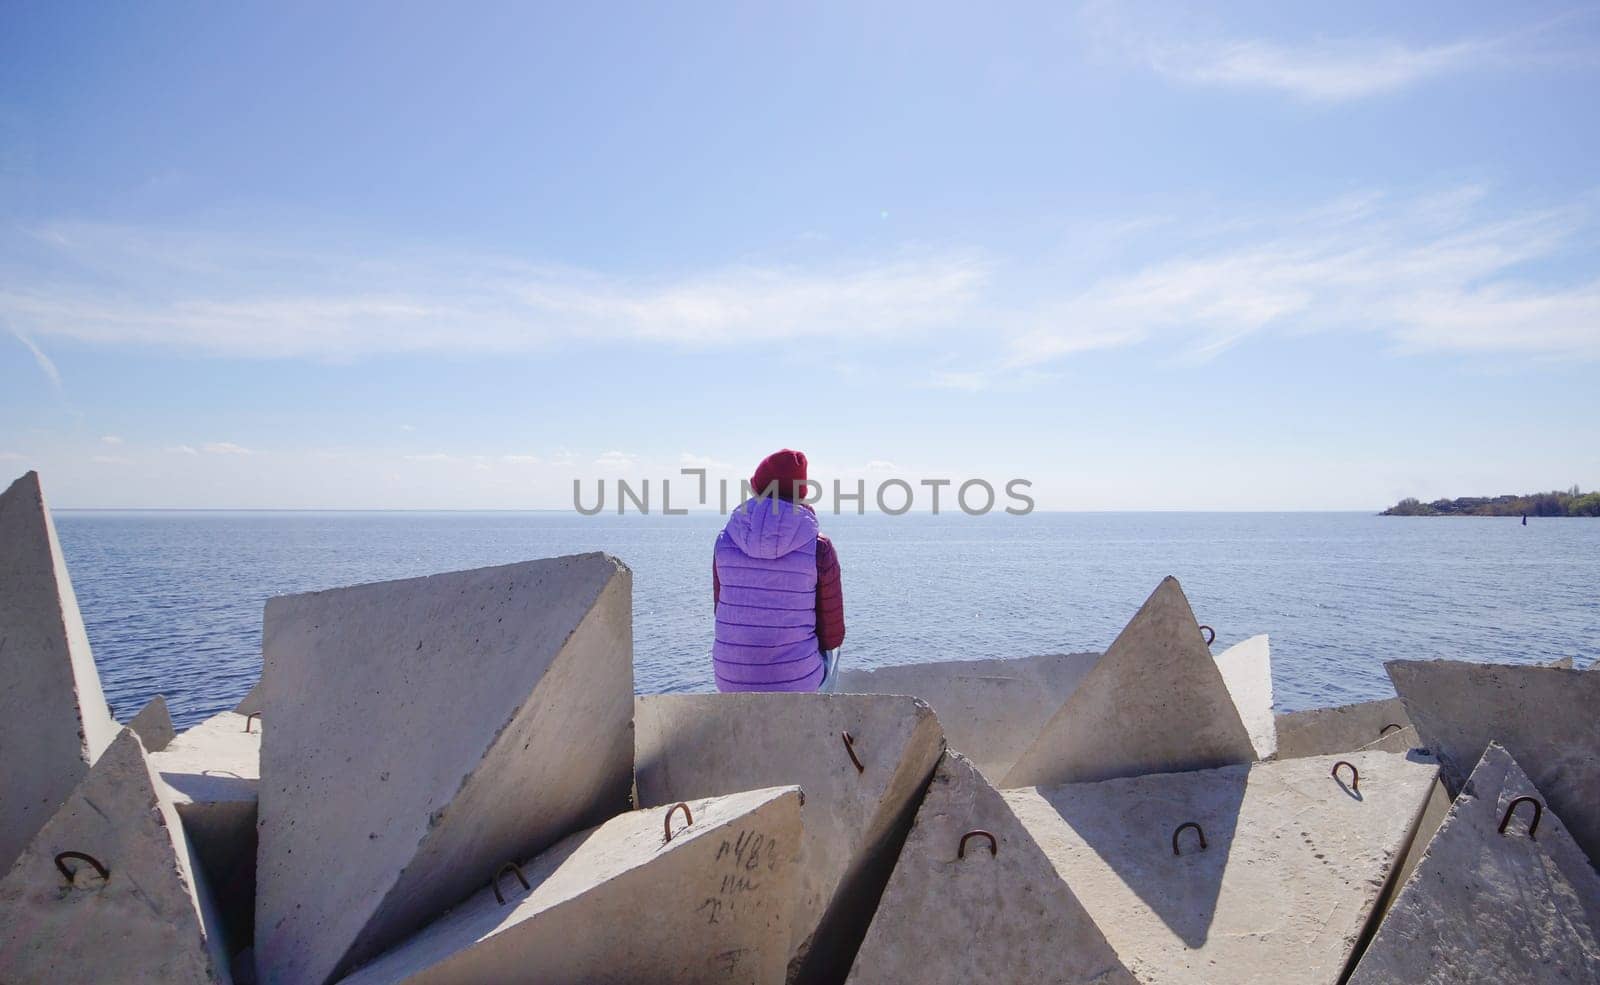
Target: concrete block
(1293,867)
(212,772)
(422,733)
(962,908)
(1247,671)
(139,912)
(51,704)
(1155,702)
(1544,716)
(250,704)
(1433,815)
(1346,728)
(854,820)
(154,724)
(1487,907)
(991,710)
(620,904)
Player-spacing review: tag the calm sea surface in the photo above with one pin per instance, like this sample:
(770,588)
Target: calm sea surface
(173,600)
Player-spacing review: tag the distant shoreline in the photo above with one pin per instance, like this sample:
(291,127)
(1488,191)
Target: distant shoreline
(1571,503)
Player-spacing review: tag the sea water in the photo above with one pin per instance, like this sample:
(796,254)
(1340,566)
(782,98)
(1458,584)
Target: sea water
(173,600)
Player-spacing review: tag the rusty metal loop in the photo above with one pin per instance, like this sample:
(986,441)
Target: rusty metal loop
(250,718)
(994,847)
(850,747)
(1392,725)
(511,867)
(61,860)
(688,819)
(1211,634)
(1355,774)
(1511,808)
(1179,831)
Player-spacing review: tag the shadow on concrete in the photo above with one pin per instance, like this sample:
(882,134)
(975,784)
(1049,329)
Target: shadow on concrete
(1131,822)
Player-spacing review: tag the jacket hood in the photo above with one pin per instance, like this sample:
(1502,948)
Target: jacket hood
(771,528)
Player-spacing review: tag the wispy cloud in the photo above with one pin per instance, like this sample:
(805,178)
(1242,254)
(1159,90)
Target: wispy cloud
(226,296)
(225,448)
(1432,274)
(1321,70)
(110,460)
(110,439)
(10,456)
(1447,272)
(1316,69)
(184,450)
(45,364)
(689,460)
(616,460)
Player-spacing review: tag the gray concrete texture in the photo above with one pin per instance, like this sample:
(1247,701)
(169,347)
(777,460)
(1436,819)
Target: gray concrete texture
(1545,717)
(251,703)
(1294,866)
(154,724)
(1246,669)
(1487,908)
(991,710)
(212,772)
(423,732)
(1346,728)
(854,821)
(1155,703)
(620,904)
(954,917)
(54,721)
(149,919)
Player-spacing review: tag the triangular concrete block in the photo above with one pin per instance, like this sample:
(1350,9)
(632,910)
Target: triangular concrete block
(135,910)
(1247,671)
(973,899)
(709,745)
(1544,716)
(622,903)
(250,704)
(51,704)
(154,724)
(1155,702)
(212,773)
(991,710)
(1346,728)
(422,733)
(1488,906)
(1293,865)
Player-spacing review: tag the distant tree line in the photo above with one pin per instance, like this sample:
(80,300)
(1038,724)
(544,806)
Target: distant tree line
(1569,503)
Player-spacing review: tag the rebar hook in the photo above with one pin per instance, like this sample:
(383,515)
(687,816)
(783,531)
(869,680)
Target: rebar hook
(1211,634)
(994,847)
(250,718)
(68,873)
(1538,812)
(1355,774)
(1179,831)
(688,819)
(850,747)
(513,868)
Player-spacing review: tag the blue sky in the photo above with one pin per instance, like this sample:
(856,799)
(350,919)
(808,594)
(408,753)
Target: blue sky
(1258,256)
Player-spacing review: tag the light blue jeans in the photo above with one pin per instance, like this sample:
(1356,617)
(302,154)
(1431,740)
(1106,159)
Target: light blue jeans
(830,672)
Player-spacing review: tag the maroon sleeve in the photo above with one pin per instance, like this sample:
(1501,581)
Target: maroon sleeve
(830,597)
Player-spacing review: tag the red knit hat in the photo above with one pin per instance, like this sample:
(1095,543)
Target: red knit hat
(787,468)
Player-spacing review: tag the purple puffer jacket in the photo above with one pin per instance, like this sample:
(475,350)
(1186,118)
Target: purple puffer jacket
(766,559)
